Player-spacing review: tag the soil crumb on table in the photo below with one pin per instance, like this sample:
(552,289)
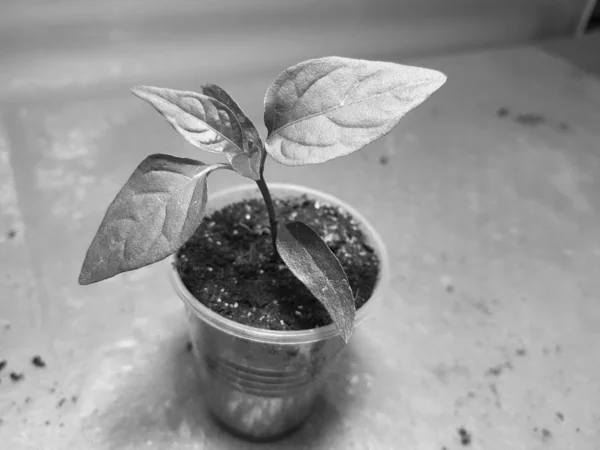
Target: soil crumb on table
(37,361)
(546,433)
(499,369)
(530,119)
(15,377)
(502,112)
(465,436)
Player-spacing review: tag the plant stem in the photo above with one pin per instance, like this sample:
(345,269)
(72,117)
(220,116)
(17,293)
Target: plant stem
(264,190)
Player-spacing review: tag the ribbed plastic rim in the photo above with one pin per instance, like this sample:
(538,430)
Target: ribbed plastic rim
(286,337)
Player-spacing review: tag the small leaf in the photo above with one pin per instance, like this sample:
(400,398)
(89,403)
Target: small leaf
(314,264)
(202,120)
(156,212)
(246,163)
(329,107)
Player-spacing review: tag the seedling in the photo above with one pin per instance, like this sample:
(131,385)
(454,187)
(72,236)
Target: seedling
(315,111)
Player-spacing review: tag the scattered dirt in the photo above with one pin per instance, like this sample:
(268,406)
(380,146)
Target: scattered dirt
(530,119)
(521,352)
(502,112)
(465,436)
(560,416)
(483,307)
(74,398)
(15,377)
(37,361)
(546,434)
(499,369)
(449,289)
(229,264)
(496,394)
(189,346)
(11,234)
(2,365)
(61,402)
(383,160)
(564,126)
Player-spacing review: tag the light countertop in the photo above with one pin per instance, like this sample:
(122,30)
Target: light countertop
(492,316)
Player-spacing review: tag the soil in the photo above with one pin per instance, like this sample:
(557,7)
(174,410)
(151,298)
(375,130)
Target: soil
(465,437)
(229,264)
(546,433)
(14,376)
(502,112)
(37,361)
(530,119)
(499,369)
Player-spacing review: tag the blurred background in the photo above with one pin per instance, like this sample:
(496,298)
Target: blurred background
(77,43)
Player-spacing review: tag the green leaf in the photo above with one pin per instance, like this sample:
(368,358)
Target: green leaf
(329,107)
(202,120)
(314,264)
(246,163)
(156,212)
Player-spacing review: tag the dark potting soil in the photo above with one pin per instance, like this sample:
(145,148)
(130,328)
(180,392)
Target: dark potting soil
(37,361)
(229,264)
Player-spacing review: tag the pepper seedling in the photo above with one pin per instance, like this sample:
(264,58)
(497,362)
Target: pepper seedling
(315,111)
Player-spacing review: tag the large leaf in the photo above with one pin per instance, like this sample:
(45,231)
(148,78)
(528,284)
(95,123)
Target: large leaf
(157,211)
(210,121)
(246,163)
(313,263)
(329,107)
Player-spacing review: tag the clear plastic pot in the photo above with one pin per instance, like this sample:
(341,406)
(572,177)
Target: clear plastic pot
(260,383)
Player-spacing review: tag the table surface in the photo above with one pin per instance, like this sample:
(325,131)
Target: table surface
(491,321)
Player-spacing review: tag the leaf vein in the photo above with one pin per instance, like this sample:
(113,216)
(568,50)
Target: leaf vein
(207,124)
(162,203)
(333,108)
(355,126)
(357,83)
